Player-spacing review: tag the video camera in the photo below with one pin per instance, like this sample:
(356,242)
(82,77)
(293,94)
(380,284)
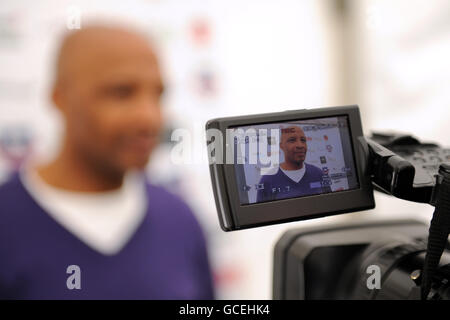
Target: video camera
(304,164)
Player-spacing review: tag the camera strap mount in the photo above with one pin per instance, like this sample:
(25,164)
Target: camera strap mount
(439,228)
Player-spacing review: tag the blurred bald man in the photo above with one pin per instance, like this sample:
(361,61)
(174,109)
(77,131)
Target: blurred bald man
(87,225)
(295,177)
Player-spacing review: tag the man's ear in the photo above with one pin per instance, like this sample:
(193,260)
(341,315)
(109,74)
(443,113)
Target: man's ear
(57,97)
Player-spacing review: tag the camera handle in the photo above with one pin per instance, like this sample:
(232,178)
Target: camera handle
(394,175)
(439,228)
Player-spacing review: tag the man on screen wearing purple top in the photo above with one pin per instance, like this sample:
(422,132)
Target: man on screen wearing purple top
(87,225)
(294,178)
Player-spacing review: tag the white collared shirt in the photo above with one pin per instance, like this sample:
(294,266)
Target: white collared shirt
(105,221)
(295,175)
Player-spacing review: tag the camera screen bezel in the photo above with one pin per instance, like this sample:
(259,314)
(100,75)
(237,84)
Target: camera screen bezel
(234,216)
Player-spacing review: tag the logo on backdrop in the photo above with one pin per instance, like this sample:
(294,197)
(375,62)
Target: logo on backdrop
(16,144)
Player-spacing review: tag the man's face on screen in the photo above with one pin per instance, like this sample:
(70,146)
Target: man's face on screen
(293,144)
(112,99)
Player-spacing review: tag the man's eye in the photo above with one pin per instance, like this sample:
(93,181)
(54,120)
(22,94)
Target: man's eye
(121,92)
(159,90)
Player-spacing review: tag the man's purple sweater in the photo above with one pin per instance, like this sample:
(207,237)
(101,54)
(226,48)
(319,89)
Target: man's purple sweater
(166,258)
(280,186)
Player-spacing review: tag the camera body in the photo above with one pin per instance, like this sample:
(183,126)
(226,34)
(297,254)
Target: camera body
(371,260)
(304,164)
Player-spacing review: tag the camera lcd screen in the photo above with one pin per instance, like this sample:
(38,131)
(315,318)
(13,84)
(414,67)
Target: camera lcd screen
(293,159)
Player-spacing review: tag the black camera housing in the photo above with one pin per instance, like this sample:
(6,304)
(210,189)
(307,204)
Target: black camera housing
(330,262)
(234,216)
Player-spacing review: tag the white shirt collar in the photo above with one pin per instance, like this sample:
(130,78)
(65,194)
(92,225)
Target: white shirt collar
(295,175)
(105,221)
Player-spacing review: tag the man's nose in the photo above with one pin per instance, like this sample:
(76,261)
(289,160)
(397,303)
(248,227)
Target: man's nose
(148,113)
(300,145)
